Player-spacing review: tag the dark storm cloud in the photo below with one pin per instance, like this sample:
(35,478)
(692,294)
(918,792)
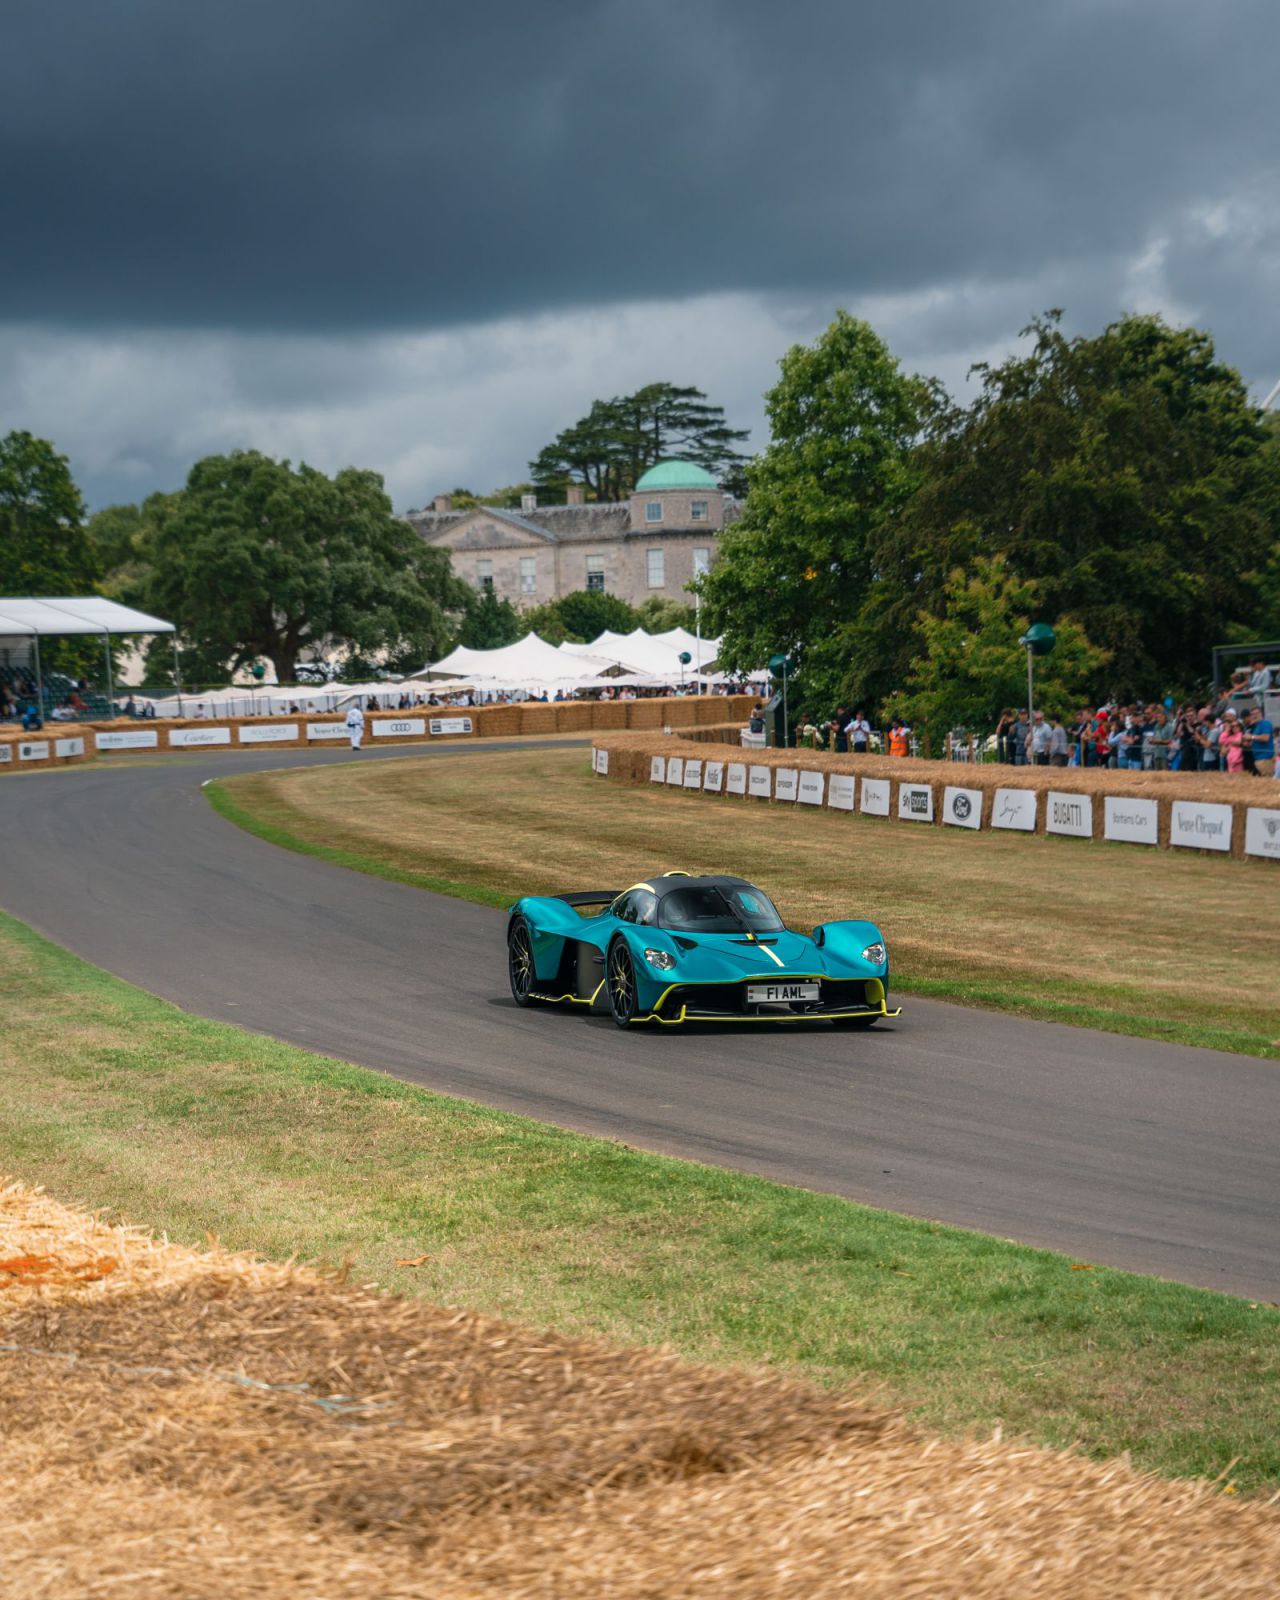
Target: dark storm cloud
(307,164)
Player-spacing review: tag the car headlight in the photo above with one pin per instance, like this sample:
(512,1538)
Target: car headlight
(874,953)
(660,958)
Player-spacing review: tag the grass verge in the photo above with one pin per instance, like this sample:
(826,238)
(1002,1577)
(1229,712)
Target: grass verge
(115,1098)
(1164,945)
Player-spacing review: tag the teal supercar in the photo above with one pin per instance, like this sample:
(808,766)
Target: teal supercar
(677,949)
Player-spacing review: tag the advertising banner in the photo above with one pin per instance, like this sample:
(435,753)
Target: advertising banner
(326,730)
(810,789)
(400,728)
(915,802)
(658,770)
(1262,833)
(1130,821)
(675,770)
(37,750)
(875,797)
(713,777)
(450,725)
(68,747)
(6,753)
(602,764)
(785,780)
(962,808)
(840,794)
(752,741)
(267,732)
(128,739)
(1015,808)
(1069,813)
(693,774)
(735,778)
(1198,825)
(759,782)
(184,738)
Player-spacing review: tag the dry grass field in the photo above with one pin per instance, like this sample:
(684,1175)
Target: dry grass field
(180,1425)
(1168,944)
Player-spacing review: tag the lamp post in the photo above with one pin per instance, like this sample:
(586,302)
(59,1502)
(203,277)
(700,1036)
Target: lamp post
(779,666)
(1039,639)
(685,658)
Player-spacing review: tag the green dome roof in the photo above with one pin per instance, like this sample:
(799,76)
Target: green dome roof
(676,475)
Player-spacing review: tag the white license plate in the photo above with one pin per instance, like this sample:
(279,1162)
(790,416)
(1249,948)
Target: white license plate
(765,993)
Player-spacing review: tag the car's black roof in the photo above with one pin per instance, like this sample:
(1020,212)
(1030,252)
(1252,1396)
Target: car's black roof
(669,882)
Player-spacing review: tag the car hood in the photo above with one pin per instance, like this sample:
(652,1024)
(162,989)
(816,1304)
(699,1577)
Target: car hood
(719,957)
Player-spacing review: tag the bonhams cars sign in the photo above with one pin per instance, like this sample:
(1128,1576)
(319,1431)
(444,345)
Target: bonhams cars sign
(1196,825)
(962,808)
(915,802)
(450,725)
(1262,833)
(1130,821)
(1069,813)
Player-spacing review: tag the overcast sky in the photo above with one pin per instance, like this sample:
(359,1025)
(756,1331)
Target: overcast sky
(422,235)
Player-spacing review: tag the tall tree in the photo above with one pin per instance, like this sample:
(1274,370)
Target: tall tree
(619,439)
(793,573)
(254,558)
(488,623)
(581,616)
(1126,473)
(44,546)
(970,665)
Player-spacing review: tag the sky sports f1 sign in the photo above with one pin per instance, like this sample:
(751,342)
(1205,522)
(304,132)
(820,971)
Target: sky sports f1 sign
(915,802)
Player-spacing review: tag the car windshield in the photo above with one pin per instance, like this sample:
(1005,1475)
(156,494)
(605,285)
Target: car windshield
(708,910)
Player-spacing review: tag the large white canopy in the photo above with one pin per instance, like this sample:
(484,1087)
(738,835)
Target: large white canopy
(46,618)
(654,654)
(529,660)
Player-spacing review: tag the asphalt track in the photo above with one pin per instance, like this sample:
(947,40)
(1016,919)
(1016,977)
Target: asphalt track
(1154,1157)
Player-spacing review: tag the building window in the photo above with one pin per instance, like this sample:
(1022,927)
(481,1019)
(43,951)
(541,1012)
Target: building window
(528,574)
(595,574)
(653,511)
(657,575)
(484,576)
(697,510)
(701,560)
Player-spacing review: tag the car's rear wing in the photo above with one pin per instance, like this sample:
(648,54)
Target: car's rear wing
(589,897)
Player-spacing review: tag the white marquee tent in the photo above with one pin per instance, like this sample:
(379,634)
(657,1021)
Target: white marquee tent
(33,619)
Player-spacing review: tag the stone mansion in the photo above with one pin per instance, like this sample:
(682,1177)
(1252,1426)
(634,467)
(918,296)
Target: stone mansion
(650,544)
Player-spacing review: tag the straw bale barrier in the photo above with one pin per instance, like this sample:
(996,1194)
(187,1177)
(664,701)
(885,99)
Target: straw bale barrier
(185,1424)
(58,744)
(283,732)
(1250,820)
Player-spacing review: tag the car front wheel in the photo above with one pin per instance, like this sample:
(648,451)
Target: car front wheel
(520,968)
(622,984)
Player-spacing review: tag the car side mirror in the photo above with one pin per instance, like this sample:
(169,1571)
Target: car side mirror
(819,935)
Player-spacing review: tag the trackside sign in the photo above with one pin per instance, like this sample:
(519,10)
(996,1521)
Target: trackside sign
(713,777)
(658,770)
(1069,813)
(450,725)
(185,738)
(675,771)
(326,730)
(68,747)
(693,774)
(735,778)
(268,732)
(1199,826)
(1130,821)
(128,739)
(1262,833)
(810,792)
(840,792)
(785,781)
(915,802)
(875,797)
(401,728)
(962,808)
(1015,808)
(758,783)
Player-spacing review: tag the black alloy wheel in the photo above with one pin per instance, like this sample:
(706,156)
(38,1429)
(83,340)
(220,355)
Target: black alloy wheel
(622,984)
(520,968)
